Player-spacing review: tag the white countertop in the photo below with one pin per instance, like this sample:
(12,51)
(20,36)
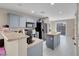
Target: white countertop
(13,35)
(36,41)
(53,33)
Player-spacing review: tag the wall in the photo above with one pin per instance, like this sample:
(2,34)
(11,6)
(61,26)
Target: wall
(70,28)
(3,17)
(52,26)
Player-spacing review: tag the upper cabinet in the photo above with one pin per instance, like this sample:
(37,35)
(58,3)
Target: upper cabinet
(14,20)
(23,21)
(20,21)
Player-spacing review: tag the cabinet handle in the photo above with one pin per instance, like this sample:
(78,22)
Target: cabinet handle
(73,38)
(74,43)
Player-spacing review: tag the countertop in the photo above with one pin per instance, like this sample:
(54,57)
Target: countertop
(36,41)
(53,33)
(13,35)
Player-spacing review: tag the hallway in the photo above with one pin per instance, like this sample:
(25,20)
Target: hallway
(66,48)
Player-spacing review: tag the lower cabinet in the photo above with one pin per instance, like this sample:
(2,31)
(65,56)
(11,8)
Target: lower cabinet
(52,41)
(16,47)
(36,50)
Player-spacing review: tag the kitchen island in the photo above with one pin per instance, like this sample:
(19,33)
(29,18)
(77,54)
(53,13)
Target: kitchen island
(53,39)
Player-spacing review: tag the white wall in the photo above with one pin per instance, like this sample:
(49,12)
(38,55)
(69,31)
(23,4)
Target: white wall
(3,17)
(70,28)
(52,26)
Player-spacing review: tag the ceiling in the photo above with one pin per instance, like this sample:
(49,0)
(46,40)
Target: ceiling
(56,11)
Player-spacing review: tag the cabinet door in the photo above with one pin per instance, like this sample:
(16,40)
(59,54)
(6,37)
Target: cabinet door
(14,20)
(11,47)
(22,21)
(50,42)
(56,41)
(22,47)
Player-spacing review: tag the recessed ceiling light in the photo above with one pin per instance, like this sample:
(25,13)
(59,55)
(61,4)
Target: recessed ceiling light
(60,12)
(20,4)
(52,3)
(33,11)
(42,12)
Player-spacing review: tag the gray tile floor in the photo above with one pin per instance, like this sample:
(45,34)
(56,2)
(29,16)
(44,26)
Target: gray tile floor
(66,48)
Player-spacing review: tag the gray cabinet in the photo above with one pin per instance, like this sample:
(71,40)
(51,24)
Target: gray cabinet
(36,50)
(22,21)
(52,41)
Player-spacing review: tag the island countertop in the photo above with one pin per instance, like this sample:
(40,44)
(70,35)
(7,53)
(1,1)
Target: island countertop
(53,33)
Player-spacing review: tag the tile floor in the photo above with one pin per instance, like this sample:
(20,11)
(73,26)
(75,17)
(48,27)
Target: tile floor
(66,48)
